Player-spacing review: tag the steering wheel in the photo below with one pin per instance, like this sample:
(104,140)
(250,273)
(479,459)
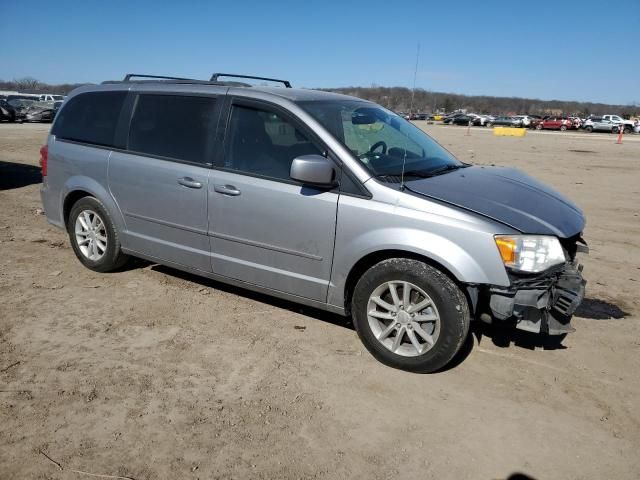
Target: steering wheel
(376,145)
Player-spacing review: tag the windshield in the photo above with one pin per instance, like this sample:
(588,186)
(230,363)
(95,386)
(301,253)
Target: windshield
(384,142)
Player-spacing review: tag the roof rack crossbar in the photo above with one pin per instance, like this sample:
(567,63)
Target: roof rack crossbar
(215,76)
(128,77)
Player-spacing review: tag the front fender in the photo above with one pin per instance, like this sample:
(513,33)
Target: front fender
(462,244)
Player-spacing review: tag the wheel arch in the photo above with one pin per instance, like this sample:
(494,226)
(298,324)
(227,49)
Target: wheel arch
(70,200)
(78,187)
(372,258)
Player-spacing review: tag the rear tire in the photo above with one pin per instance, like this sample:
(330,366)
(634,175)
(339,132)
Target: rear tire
(563,128)
(539,127)
(93,236)
(627,129)
(406,347)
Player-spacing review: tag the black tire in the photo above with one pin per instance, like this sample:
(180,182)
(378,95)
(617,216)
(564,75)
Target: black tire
(450,302)
(627,129)
(113,258)
(489,124)
(539,126)
(563,128)
(589,128)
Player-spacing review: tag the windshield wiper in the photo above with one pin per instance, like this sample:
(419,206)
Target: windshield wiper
(445,169)
(422,173)
(435,172)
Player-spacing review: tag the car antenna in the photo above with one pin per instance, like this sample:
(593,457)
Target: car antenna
(413,94)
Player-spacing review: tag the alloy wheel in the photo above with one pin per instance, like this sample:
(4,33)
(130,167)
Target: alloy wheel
(91,235)
(403,318)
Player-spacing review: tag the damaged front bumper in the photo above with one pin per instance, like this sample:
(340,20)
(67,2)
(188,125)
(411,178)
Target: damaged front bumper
(541,304)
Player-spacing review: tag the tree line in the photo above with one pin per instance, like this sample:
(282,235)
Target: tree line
(31,85)
(401,99)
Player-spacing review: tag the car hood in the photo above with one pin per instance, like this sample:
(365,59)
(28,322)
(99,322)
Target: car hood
(506,195)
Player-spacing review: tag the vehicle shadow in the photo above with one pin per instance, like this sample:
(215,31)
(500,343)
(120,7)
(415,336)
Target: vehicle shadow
(327,317)
(17,175)
(595,309)
(505,336)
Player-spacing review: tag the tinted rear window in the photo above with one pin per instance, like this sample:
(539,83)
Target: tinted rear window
(90,118)
(180,127)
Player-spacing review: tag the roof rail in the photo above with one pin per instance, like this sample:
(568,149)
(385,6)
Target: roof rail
(215,76)
(128,77)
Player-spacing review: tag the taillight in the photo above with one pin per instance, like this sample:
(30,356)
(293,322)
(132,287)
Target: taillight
(44,156)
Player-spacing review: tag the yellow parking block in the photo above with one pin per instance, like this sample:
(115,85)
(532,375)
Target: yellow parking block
(509,132)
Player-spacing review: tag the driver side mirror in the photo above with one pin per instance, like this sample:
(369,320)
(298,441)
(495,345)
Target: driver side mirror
(313,170)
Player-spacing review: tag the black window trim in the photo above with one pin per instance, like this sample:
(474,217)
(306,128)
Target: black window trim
(132,104)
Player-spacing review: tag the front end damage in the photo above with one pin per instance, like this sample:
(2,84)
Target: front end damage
(541,303)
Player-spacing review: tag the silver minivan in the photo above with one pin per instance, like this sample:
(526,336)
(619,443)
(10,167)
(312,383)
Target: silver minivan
(322,199)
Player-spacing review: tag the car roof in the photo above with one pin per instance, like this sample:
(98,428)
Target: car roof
(292,94)
(299,94)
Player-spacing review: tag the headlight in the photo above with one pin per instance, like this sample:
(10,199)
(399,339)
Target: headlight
(530,253)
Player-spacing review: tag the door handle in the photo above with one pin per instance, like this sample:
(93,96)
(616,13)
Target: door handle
(189,182)
(227,190)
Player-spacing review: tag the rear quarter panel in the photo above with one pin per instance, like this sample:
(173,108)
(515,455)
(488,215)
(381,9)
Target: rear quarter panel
(72,167)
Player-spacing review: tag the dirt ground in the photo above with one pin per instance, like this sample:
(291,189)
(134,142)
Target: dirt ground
(155,374)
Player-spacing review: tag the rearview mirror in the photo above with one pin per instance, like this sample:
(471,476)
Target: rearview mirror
(313,170)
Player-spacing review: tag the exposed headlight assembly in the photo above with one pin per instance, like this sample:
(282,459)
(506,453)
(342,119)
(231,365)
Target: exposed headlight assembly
(530,253)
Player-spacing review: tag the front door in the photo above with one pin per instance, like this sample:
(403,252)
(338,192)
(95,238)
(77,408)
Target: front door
(265,228)
(161,183)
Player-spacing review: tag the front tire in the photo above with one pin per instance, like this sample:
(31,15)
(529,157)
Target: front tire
(589,128)
(410,315)
(93,236)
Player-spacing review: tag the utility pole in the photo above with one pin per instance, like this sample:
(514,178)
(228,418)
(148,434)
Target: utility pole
(415,75)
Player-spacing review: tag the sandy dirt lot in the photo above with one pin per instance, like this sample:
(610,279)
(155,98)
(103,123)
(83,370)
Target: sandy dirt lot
(150,373)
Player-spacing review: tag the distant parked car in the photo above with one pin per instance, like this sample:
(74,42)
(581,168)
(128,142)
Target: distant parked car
(20,106)
(555,123)
(526,120)
(505,122)
(463,120)
(50,98)
(599,124)
(450,118)
(40,112)
(628,125)
(536,120)
(7,112)
(483,120)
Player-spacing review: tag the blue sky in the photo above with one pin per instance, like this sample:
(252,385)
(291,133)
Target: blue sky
(574,50)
